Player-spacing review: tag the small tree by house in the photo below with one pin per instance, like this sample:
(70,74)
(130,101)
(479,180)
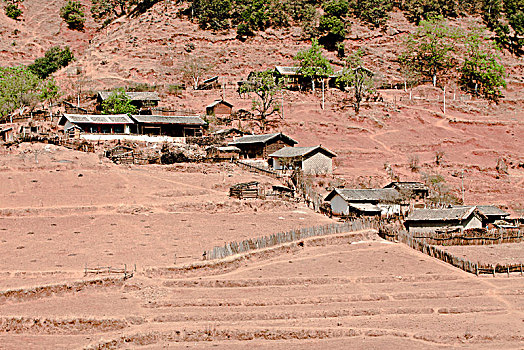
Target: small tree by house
(356,76)
(118,103)
(73,14)
(266,90)
(194,68)
(312,63)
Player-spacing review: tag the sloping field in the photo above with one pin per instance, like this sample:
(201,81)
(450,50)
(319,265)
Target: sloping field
(361,294)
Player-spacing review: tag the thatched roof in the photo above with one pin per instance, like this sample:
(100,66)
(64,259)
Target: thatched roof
(216,102)
(488,210)
(294,152)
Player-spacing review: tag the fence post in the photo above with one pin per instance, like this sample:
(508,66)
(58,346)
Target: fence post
(493,271)
(508,270)
(477,269)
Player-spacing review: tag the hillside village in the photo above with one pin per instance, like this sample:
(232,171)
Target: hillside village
(181,174)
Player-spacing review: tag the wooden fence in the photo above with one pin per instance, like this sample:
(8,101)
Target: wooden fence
(244,246)
(255,169)
(108,270)
(463,238)
(435,252)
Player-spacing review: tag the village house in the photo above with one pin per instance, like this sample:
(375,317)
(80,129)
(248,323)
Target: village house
(173,126)
(448,219)
(220,109)
(260,146)
(365,202)
(417,191)
(143,101)
(7,134)
(314,160)
(491,213)
(98,124)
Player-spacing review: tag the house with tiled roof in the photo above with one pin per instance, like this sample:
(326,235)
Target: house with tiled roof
(311,160)
(261,146)
(446,219)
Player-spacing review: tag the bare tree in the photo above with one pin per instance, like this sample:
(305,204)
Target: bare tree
(193,68)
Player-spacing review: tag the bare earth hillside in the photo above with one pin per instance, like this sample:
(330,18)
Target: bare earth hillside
(63,211)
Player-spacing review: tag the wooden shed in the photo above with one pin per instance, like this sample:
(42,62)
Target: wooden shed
(245,190)
(121,154)
(221,153)
(7,134)
(208,84)
(220,109)
(261,146)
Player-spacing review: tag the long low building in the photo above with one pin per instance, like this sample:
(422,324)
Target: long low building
(432,220)
(152,125)
(365,202)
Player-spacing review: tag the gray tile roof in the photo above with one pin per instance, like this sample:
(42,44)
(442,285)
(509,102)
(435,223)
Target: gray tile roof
(134,96)
(248,139)
(407,185)
(447,214)
(487,210)
(292,152)
(383,195)
(365,207)
(96,119)
(169,119)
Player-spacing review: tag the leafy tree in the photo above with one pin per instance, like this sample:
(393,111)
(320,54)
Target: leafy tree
(429,51)
(49,92)
(212,14)
(312,64)
(109,9)
(73,14)
(266,89)
(358,77)
(194,69)
(515,16)
(374,12)
(118,103)
(417,10)
(19,88)
(482,72)
(332,24)
(54,59)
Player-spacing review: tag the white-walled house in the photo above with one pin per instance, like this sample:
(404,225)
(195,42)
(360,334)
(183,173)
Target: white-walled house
(364,202)
(314,160)
(431,220)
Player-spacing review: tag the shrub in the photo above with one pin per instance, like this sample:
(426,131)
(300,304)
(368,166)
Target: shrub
(73,15)
(12,11)
(54,59)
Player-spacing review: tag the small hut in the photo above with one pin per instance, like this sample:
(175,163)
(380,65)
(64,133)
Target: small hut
(122,154)
(208,84)
(220,109)
(245,190)
(7,134)
(222,153)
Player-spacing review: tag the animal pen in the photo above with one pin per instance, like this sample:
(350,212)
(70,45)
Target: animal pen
(246,190)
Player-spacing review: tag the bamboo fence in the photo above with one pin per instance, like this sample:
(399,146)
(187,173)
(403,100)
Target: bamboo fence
(422,245)
(272,240)
(108,270)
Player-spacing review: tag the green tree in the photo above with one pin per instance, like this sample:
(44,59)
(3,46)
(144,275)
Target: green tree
(312,63)
(49,93)
(374,12)
(73,14)
(429,51)
(19,88)
(13,11)
(358,77)
(212,14)
(515,16)
(482,73)
(118,103)
(333,23)
(418,10)
(266,90)
(54,59)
